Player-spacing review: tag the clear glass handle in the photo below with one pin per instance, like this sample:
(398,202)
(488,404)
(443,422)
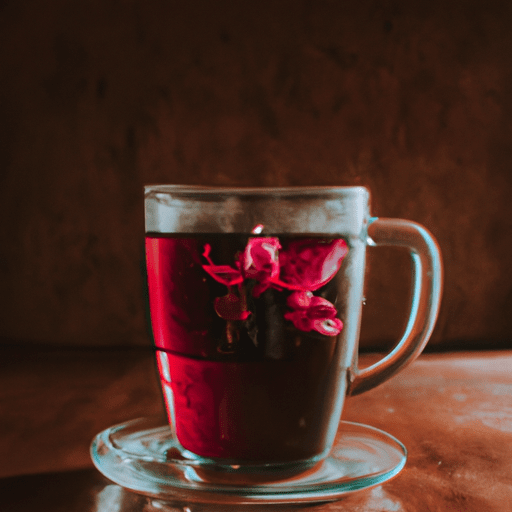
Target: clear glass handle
(427,276)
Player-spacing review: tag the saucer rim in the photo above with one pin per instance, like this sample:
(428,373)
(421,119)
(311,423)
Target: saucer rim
(192,491)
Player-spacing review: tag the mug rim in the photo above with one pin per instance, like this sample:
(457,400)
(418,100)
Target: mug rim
(253,191)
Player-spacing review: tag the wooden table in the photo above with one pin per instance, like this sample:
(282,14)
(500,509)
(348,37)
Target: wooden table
(452,411)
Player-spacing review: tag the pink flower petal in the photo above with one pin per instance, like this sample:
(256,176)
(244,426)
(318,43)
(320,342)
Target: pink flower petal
(299,320)
(329,327)
(223,274)
(260,258)
(298,300)
(313,313)
(231,307)
(321,308)
(308,264)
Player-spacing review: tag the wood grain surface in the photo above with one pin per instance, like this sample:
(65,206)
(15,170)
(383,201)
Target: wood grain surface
(453,412)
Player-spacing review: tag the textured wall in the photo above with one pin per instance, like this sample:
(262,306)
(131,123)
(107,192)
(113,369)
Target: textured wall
(97,98)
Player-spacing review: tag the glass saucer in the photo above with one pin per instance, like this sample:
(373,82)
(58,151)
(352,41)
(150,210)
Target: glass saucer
(144,456)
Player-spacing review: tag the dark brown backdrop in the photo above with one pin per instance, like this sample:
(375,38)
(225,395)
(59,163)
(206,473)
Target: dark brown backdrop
(97,98)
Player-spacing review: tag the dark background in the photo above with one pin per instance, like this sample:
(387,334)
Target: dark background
(99,97)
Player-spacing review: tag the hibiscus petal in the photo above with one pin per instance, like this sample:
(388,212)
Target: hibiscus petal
(260,259)
(299,320)
(206,253)
(231,307)
(321,308)
(332,262)
(308,264)
(319,302)
(313,313)
(328,327)
(223,274)
(299,300)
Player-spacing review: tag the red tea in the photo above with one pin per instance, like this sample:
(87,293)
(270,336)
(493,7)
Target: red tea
(246,330)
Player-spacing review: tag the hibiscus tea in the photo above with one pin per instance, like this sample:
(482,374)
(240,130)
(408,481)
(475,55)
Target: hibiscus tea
(248,332)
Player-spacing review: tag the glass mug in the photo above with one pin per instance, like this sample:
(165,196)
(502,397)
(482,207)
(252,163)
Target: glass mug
(255,299)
